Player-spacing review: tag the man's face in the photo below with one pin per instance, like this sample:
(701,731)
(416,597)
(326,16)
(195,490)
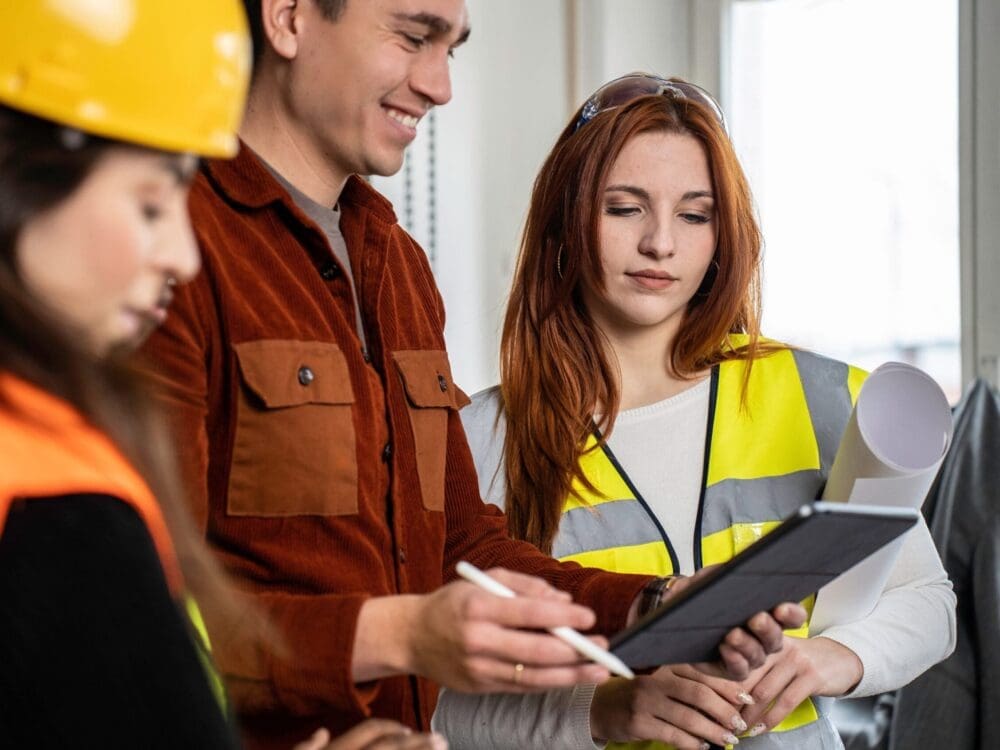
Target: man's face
(359,86)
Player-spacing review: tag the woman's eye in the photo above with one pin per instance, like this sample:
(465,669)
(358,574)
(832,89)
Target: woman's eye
(151,212)
(696,218)
(621,210)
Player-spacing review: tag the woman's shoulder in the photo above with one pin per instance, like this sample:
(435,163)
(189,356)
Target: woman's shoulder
(485,412)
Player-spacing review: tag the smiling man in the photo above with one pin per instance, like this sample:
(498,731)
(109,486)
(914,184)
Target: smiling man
(306,373)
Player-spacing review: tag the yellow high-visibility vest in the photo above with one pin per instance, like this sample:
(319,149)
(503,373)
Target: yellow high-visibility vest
(762,461)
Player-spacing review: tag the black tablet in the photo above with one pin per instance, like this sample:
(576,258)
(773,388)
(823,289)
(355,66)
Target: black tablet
(805,552)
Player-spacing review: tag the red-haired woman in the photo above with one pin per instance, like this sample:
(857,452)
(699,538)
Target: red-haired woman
(643,424)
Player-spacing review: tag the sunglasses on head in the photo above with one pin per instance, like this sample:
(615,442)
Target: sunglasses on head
(629,88)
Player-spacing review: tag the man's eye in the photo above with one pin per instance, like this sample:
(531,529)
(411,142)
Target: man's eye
(416,41)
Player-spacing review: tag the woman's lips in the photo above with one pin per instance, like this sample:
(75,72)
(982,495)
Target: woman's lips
(654,280)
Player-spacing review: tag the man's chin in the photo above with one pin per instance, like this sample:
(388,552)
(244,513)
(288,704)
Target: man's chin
(385,165)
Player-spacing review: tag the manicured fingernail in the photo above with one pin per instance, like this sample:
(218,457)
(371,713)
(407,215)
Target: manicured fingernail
(705,746)
(746,698)
(730,739)
(738,724)
(758,729)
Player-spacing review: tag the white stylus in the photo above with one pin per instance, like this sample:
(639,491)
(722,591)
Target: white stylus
(595,653)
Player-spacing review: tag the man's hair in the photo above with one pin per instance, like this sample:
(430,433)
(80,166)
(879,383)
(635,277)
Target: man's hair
(331,10)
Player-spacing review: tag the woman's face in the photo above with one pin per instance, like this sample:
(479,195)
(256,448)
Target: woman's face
(658,234)
(105,259)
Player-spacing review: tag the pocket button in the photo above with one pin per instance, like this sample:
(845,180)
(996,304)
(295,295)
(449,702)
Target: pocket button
(306,375)
(442,383)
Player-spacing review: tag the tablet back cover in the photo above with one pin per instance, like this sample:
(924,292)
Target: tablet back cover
(795,560)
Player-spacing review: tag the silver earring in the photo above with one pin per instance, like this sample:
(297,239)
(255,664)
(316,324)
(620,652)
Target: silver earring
(559,257)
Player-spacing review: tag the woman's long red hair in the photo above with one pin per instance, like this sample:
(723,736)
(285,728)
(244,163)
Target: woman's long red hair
(553,362)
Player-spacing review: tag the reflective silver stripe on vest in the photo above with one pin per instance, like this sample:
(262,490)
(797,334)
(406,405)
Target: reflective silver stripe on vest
(755,500)
(817,735)
(618,523)
(828,398)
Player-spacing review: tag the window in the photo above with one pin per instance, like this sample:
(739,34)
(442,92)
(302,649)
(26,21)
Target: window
(845,115)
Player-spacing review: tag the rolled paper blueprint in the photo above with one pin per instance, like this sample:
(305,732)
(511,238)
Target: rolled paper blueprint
(892,448)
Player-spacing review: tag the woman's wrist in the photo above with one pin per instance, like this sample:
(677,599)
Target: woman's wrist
(840,668)
(653,594)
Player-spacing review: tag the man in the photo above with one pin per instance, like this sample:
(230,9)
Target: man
(307,376)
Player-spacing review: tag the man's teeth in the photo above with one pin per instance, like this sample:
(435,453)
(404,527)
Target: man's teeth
(401,117)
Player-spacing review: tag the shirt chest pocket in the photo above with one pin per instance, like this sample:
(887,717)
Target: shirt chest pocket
(294,447)
(430,396)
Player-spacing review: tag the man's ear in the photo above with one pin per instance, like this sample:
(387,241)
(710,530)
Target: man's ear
(280,21)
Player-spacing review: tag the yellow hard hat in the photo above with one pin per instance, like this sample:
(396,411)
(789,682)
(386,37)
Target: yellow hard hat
(169,74)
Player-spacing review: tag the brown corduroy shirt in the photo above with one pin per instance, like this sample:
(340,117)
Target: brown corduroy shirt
(323,474)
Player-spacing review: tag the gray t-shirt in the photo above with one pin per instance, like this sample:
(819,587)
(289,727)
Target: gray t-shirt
(328,220)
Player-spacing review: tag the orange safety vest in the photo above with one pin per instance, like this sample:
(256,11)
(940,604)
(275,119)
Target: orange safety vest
(48,449)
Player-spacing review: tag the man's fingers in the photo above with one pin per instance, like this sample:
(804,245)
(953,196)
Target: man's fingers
(366,733)
(496,675)
(526,585)
(319,740)
(530,613)
(409,742)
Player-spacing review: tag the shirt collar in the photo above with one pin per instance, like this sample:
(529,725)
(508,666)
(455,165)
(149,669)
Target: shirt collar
(245,180)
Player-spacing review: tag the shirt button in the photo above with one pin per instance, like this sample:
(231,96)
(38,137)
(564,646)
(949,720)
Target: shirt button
(442,383)
(306,376)
(402,555)
(366,355)
(387,452)
(329,271)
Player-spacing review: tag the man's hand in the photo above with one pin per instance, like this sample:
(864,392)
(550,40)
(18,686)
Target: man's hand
(470,640)
(677,705)
(375,734)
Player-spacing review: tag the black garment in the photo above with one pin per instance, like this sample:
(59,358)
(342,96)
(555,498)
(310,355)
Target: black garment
(956,704)
(94,651)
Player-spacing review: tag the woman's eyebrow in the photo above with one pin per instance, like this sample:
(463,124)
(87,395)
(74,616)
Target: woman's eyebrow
(638,192)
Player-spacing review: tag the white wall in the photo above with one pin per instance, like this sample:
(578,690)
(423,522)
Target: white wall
(530,62)
(514,89)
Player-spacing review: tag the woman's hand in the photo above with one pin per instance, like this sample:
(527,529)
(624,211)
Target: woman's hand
(803,668)
(375,734)
(676,704)
(470,640)
(745,648)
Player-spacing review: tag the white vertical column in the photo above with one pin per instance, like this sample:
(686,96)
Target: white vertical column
(979,186)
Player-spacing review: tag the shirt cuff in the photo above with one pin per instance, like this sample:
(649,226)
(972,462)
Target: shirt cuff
(579,718)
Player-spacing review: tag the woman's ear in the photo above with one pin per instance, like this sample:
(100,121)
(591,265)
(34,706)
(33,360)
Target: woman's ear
(280,21)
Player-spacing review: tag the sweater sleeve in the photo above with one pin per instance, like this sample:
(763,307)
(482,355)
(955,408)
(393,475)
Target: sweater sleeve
(95,652)
(477,532)
(555,720)
(915,615)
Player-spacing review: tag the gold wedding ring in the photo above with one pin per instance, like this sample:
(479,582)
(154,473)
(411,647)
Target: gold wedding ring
(518,671)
